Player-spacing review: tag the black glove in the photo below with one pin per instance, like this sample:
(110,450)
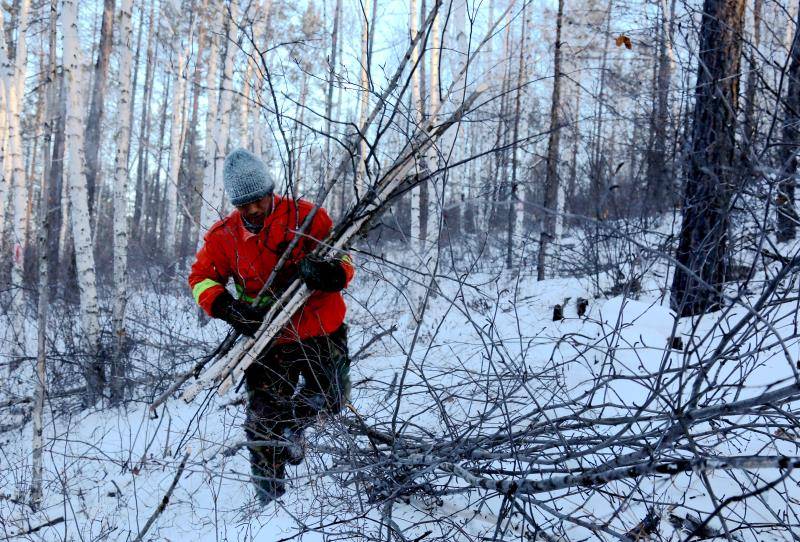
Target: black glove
(323,275)
(240,315)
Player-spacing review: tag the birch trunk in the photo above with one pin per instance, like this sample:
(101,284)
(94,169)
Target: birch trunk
(514,188)
(210,206)
(332,62)
(44,266)
(363,99)
(222,123)
(435,200)
(416,104)
(121,228)
(79,206)
(177,132)
(15,88)
(5,186)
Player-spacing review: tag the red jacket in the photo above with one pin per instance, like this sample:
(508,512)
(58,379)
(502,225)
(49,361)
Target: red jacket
(230,251)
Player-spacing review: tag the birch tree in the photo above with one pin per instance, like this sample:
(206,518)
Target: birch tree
(79,206)
(363,98)
(177,133)
(417,112)
(514,192)
(224,112)
(44,264)
(15,86)
(121,227)
(211,195)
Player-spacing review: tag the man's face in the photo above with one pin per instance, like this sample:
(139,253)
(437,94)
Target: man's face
(256,211)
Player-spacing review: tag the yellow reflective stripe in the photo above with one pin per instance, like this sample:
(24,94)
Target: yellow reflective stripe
(202,286)
(346,258)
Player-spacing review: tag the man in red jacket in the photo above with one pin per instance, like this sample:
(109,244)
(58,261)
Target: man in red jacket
(245,246)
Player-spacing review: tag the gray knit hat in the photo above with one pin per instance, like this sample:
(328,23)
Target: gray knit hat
(246,177)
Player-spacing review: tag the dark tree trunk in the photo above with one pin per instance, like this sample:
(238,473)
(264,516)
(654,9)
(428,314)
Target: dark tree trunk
(551,183)
(95,118)
(711,168)
(144,133)
(787,214)
(54,183)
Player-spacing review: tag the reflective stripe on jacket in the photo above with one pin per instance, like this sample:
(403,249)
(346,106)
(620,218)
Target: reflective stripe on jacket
(231,252)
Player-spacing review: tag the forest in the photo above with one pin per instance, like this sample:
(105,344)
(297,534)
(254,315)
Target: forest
(401,270)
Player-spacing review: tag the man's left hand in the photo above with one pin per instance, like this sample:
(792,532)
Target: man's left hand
(323,275)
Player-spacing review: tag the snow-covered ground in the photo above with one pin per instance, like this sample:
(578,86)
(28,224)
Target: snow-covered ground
(486,354)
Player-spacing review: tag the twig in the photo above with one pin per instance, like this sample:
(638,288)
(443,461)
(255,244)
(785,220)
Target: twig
(38,528)
(165,500)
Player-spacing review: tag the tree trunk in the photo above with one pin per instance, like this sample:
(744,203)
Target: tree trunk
(177,132)
(95,119)
(332,63)
(704,231)
(44,266)
(435,199)
(211,202)
(144,129)
(552,183)
(79,206)
(363,99)
(121,228)
(659,177)
(417,105)
(748,123)
(512,196)
(222,123)
(785,205)
(15,86)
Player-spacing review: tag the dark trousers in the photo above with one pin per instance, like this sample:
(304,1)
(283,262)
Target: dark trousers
(278,404)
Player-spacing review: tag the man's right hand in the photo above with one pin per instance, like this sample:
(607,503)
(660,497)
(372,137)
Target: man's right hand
(240,315)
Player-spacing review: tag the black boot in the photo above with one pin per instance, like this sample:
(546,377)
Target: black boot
(269,482)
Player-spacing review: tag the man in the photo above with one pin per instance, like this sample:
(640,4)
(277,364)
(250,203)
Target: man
(245,246)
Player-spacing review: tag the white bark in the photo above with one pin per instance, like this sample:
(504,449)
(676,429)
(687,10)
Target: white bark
(121,224)
(15,85)
(212,205)
(177,132)
(244,110)
(5,186)
(224,112)
(363,98)
(44,282)
(435,195)
(75,176)
(416,104)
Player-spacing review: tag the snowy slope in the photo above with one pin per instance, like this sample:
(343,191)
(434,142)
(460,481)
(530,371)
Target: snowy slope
(108,469)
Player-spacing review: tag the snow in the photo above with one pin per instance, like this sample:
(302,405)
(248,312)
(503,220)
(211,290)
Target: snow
(107,469)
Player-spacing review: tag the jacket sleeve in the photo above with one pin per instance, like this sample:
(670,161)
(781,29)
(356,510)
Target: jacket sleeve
(209,273)
(320,228)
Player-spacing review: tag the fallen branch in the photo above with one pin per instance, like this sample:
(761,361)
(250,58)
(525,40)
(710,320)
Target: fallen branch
(165,499)
(37,528)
